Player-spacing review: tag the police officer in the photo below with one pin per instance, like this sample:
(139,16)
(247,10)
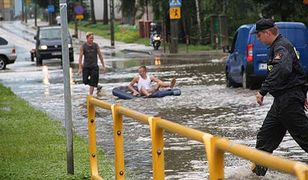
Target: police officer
(286,83)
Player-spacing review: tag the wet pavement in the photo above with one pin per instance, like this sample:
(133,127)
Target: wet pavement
(206,104)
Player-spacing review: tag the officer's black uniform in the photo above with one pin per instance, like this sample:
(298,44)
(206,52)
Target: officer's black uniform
(285,81)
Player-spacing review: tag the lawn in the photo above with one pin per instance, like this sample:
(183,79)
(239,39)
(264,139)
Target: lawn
(130,34)
(33,146)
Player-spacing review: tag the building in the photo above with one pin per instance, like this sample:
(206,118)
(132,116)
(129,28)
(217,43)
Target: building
(7,10)
(99,11)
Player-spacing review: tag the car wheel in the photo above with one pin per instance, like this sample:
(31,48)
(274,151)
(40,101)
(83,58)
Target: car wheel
(228,81)
(2,63)
(246,81)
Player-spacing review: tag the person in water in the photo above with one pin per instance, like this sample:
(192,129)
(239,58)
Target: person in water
(145,85)
(88,63)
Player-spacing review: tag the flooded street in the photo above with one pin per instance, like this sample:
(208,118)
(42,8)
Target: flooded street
(205,104)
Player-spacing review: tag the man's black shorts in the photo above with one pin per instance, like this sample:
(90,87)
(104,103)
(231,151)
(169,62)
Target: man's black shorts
(90,76)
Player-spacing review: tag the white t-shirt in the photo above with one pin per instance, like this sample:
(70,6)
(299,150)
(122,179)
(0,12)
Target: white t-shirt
(146,83)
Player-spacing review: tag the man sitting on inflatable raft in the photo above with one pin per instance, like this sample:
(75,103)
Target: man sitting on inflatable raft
(144,83)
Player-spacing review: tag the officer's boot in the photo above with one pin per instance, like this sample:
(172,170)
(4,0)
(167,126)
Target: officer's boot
(258,170)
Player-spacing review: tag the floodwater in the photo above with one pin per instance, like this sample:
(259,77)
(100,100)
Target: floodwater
(205,104)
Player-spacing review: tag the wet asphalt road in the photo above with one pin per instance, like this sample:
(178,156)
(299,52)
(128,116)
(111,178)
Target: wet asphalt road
(205,104)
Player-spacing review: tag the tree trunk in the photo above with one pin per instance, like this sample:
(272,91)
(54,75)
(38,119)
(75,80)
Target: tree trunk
(93,19)
(105,18)
(198,20)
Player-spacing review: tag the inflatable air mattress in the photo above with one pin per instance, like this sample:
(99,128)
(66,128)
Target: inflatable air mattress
(124,93)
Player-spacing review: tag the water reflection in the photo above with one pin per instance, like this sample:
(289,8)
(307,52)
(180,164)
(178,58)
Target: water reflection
(45,80)
(157,60)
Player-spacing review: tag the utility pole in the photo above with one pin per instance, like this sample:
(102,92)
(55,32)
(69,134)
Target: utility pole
(35,13)
(175,15)
(49,14)
(147,9)
(26,12)
(105,18)
(22,10)
(174,36)
(112,22)
(67,88)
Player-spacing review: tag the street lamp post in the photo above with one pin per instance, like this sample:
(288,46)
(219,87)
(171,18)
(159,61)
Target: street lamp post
(112,22)
(67,88)
(35,13)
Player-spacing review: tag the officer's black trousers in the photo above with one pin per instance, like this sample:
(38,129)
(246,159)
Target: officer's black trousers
(286,114)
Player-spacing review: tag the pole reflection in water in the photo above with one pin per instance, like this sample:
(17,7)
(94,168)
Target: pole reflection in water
(71,76)
(46,79)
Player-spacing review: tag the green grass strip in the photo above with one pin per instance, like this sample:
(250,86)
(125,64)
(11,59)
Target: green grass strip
(33,146)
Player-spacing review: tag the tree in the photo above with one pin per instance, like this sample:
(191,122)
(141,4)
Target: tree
(283,9)
(198,19)
(93,19)
(105,18)
(128,8)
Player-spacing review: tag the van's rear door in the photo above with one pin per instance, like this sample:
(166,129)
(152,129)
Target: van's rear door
(260,56)
(298,36)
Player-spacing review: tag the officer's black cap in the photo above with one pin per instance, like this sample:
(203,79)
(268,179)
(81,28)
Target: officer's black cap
(263,24)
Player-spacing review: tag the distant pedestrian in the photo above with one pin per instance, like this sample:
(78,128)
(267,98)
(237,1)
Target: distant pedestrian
(286,83)
(88,66)
(58,19)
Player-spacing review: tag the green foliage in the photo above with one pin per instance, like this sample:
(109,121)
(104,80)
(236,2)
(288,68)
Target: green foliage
(33,146)
(125,35)
(286,10)
(238,12)
(128,9)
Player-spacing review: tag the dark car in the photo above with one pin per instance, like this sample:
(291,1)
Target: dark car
(247,61)
(7,53)
(49,44)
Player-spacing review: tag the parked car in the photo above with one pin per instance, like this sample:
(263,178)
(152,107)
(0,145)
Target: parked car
(49,44)
(247,62)
(7,53)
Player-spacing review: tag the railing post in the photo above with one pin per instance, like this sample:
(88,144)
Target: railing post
(301,171)
(215,157)
(92,138)
(118,142)
(158,163)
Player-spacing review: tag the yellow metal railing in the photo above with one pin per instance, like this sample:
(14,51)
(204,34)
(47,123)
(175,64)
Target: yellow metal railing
(215,146)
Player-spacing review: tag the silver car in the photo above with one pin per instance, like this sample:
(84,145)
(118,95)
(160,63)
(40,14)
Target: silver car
(7,53)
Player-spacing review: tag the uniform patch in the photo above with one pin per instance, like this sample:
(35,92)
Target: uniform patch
(277,56)
(297,53)
(269,67)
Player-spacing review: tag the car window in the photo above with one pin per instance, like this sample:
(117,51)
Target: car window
(233,43)
(50,34)
(3,41)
